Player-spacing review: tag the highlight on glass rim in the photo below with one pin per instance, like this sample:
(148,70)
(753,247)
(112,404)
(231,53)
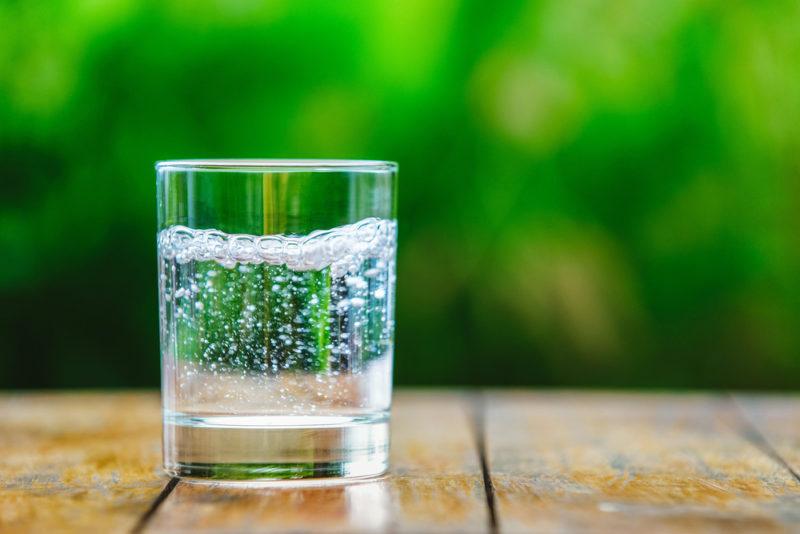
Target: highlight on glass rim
(411,266)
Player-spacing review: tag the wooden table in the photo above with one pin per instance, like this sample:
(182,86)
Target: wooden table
(461,462)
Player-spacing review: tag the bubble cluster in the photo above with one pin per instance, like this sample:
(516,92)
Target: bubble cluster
(306,319)
(343,248)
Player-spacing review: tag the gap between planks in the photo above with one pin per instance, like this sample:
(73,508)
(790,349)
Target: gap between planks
(148,515)
(478,420)
(750,432)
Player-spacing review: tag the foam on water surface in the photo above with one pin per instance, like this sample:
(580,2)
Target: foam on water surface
(343,248)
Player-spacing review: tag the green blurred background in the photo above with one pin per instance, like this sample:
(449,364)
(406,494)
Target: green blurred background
(594,192)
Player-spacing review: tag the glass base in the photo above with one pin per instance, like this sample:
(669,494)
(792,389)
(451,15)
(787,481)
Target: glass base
(276,447)
(255,472)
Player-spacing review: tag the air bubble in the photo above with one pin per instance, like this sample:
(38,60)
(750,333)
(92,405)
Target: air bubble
(356,282)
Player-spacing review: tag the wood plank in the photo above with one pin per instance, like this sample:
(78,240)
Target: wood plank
(435,484)
(776,418)
(78,461)
(607,462)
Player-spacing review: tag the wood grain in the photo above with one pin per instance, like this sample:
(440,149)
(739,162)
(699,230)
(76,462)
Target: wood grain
(606,462)
(435,485)
(78,461)
(560,461)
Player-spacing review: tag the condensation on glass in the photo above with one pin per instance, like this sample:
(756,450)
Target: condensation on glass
(276,294)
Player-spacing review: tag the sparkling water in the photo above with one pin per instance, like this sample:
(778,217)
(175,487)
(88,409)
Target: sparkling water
(277,350)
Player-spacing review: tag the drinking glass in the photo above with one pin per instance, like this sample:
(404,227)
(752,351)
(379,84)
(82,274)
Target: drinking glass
(276,296)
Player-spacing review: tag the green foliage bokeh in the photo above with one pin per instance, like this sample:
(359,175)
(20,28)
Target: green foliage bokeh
(591,192)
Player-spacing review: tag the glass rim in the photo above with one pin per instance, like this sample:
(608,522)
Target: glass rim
(277,165)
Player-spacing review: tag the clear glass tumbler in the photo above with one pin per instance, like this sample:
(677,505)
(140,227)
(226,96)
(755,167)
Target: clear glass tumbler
(276,293)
